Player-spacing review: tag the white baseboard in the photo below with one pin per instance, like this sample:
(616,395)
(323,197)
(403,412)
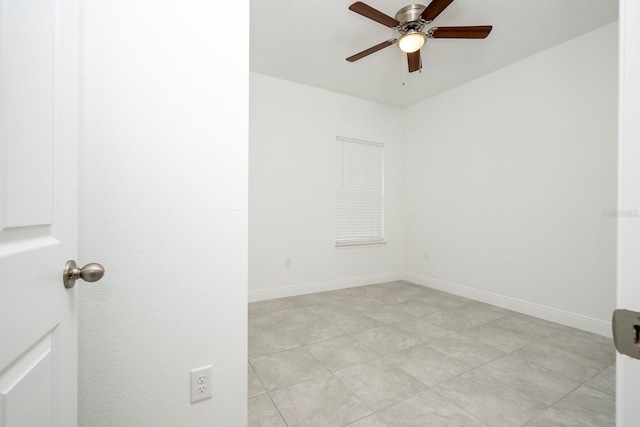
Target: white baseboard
(566,318)
(574,320)
(331,285)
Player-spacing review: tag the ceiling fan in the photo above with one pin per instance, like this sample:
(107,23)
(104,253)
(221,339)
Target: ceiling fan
(409,22)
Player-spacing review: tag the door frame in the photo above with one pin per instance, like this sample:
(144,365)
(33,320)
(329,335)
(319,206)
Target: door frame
(628,245)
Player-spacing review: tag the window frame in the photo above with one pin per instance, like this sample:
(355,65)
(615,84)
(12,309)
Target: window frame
(378,236)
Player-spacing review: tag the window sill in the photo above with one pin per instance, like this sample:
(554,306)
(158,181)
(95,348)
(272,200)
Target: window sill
(343,245)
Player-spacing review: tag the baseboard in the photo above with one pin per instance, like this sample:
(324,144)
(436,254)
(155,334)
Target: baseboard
(330,285)
(574,320)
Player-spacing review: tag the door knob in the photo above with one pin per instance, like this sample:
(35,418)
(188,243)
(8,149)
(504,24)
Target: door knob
(89,273)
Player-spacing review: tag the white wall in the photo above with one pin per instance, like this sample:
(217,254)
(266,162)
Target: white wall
(507,183)
(163,205)
(292,196)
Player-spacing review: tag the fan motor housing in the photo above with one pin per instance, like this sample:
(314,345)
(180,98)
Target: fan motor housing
(410,13)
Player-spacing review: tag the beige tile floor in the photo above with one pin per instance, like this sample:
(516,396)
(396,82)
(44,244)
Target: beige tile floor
(399,354)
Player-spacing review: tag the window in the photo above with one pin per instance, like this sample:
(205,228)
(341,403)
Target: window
(360,192)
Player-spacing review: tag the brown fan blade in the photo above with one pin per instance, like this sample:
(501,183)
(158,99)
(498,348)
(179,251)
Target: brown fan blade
(371,13)
(371,50)
(414,60)
(434,9)
(477,32)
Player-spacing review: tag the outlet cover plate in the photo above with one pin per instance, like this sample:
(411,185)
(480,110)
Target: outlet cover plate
(201,387)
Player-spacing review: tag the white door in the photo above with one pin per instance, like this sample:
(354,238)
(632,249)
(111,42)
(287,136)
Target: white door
(628,369)
(38,211)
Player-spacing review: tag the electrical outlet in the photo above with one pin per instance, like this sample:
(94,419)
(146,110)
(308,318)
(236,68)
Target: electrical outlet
(426,256)
(287,262)
(201,383)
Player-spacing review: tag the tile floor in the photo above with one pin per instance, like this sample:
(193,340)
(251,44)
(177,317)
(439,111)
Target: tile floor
(399,354)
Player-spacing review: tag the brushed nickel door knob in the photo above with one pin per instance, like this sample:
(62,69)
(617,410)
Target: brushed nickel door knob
(89,273)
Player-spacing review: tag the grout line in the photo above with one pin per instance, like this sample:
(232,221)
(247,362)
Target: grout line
(300,382)
(284,420)
(354,395)
(524,393)
(461,408)
(259,380)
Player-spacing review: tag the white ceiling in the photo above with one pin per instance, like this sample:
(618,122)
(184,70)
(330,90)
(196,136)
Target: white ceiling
(307,41)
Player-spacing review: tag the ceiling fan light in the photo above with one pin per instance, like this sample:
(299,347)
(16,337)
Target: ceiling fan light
(411,41)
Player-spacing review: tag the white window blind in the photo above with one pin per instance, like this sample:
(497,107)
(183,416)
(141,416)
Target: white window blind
(360,191)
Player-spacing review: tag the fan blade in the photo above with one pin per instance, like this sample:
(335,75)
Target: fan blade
(371,13)
(371,50)
(434,9)
(414,60)
(477,32)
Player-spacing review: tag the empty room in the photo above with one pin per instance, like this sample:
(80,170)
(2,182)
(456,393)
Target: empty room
(432,243)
